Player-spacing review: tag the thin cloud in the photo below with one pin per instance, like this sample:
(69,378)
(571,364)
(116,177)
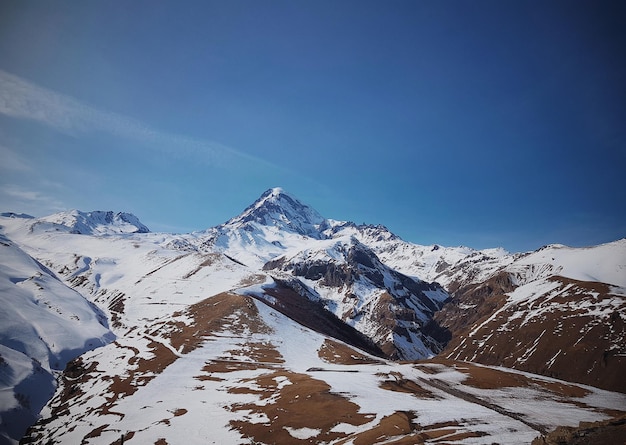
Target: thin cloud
(17,198)
(24,100)
(12,161)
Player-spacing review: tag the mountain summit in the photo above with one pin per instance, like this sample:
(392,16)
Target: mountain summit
(279,209)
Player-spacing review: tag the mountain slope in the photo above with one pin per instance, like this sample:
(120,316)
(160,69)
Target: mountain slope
(545,311)
(45,324)
(448,266)
(262,378)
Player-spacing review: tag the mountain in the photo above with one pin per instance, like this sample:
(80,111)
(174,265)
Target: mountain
(351,282)
(90,223)
(448,266)
(278,209)
(273,223)
(280,235)
(281,326)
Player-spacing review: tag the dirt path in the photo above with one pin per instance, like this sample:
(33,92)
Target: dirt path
(445,387)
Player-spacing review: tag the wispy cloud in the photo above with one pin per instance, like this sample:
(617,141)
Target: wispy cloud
(12,161)
(25,100)
(21,199)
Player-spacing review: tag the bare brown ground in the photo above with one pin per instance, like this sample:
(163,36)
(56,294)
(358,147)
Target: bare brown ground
(396,382)
(251,280)
(399,423)
(209,259)
(400,428)
(305,403)
(338,353)
(214,315)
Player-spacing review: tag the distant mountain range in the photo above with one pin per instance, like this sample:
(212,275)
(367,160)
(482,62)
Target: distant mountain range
(279,303)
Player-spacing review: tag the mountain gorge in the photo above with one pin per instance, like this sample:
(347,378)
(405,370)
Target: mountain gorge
(282,326)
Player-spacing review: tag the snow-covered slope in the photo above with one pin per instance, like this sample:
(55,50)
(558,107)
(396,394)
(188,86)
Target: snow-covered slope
(605,263)
(230,370)
(44,324)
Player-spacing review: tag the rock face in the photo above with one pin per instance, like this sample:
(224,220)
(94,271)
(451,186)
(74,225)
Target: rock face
(351,282)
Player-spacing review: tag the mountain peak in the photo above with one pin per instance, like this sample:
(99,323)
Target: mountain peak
(275,207)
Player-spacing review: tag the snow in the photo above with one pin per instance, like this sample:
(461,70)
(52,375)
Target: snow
(605,263)
(303,433)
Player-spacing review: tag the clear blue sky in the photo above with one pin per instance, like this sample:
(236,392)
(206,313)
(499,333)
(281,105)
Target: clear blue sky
(478,123)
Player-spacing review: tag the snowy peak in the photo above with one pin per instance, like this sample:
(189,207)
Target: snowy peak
(604,263)
(278,208)
(90,223)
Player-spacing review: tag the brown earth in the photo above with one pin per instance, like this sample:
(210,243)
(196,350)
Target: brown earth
(341,354)
(304,403)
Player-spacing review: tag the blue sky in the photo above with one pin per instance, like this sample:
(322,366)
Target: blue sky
(482,123)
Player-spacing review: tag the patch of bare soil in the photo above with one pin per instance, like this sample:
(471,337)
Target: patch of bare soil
(400,428)
(302,403)
(340,354)
(253,355)
(396,382)
(215,314)
(117,307)
(400,423)
(587,433)
(251,280)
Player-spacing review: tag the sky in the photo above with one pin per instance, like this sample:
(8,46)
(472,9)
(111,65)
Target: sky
(482,123)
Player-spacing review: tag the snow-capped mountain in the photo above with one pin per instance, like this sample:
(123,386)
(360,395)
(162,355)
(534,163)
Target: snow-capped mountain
(448,266)
(275,222)
(281,210)
(279,326)
(279,233)
(89,223)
